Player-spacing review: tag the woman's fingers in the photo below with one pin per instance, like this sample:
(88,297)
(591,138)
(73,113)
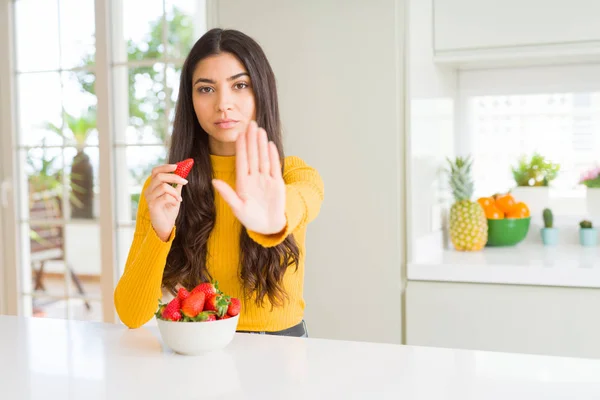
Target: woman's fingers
(228,194)
(164,173)
(263,152)
(162,189)
(167,198)
(163,168)
(171,178)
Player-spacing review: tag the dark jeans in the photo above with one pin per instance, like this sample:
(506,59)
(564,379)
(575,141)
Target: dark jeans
(296,331)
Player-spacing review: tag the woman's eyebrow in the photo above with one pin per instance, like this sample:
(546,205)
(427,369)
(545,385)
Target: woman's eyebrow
(231,78)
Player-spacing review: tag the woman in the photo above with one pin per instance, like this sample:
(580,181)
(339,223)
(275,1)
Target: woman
(240,217)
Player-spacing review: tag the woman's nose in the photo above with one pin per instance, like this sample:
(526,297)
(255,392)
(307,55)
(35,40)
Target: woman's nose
(225,101)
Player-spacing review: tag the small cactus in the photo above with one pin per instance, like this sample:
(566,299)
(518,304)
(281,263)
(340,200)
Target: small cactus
(585,224)
(548,218)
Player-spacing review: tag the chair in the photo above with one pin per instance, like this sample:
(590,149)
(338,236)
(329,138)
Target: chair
(47,242)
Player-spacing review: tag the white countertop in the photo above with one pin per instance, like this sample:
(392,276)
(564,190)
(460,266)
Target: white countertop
(58,359)
(526,264)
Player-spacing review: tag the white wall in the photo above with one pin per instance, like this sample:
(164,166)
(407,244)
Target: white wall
(433,97)
(339,66)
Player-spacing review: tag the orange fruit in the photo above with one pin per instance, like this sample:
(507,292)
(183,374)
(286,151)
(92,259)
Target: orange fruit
(519,210)
(505,202)
(493,212)
(485,202)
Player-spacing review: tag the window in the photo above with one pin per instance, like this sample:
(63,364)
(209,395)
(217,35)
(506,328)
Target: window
(156,37)
(58,146)
(57,155)
(564,127)
(554,111)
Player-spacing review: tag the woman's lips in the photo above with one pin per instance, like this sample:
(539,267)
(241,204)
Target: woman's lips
(226,124)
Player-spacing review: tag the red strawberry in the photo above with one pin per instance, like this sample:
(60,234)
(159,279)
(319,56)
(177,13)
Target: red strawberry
(205,316)
(183,294)
(210,303)
(207,288)
(184,167)
(171,311)
(176,316)
(217,303)
(193,305)
(161,308)
(225,316)
(234,307)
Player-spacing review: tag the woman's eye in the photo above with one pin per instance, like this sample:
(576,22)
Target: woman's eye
(205,89)
(241,85)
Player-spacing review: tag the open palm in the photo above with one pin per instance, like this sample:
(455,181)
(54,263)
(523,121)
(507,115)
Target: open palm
(258,200)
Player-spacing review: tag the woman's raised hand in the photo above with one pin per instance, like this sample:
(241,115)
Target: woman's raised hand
(258,200)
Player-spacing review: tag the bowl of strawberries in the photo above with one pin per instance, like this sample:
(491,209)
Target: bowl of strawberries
(197,321)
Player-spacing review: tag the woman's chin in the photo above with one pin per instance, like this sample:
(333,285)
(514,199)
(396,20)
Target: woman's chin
(224,139)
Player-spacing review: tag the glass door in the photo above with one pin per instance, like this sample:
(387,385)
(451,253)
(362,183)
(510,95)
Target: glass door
(156,36)
(93,89)
(57,157)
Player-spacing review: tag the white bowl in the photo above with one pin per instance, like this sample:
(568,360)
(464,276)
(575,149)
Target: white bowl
(193,338)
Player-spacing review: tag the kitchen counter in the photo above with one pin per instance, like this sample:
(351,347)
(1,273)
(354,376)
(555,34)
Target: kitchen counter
(568,265)
(59,359)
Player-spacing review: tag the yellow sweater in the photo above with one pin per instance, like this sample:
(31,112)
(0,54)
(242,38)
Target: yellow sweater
(139,288)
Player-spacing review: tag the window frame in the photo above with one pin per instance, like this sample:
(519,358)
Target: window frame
(10,261)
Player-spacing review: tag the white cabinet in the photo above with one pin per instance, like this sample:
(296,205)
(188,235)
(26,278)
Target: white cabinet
(509,318)
(478,28)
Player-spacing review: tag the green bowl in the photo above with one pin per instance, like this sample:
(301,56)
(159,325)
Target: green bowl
(508,231)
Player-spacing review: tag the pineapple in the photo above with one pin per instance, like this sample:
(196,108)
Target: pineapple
(468,224)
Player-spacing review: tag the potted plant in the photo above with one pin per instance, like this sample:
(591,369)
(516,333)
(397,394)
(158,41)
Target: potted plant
(591,180)
(588,235)
(533,177)
(549,232)
(82,173)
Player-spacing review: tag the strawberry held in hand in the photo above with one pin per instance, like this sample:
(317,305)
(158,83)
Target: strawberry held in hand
(183,168)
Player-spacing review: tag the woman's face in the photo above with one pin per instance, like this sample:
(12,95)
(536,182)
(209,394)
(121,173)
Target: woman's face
(223,100)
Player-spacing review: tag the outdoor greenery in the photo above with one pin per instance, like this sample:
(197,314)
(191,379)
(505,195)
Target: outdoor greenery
(148,94)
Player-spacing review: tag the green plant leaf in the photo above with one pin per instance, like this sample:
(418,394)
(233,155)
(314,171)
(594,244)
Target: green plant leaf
(535,171)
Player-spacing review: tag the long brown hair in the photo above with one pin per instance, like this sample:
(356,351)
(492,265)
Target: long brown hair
(261,269)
